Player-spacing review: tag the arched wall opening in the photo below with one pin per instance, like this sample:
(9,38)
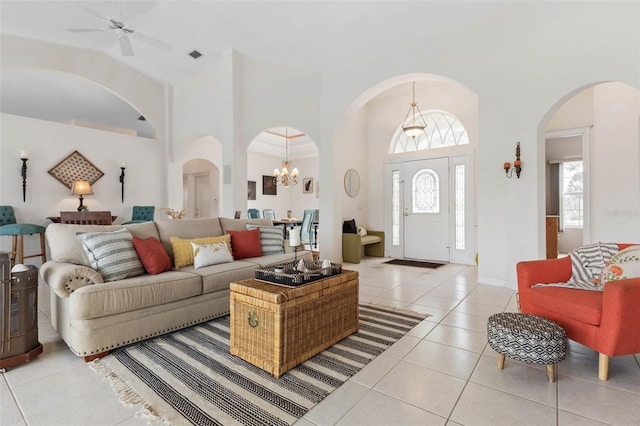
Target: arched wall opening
(366,129)
(266,152)
(598,124)
(195,178)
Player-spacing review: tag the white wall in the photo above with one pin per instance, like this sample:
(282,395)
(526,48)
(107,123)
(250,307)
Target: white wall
(49,143)
(291,198)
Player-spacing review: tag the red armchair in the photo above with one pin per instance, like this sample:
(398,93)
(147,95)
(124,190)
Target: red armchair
(607,321)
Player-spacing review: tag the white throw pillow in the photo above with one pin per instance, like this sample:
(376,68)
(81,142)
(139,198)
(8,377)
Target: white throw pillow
(210,254)
(112,254)
(625,264)
(362,231)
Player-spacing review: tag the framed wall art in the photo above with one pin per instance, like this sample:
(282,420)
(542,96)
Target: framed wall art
(251,190)
(75,167)
(307,185)
(268,186)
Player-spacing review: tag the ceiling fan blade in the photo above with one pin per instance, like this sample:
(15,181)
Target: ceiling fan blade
(152,41)
(85,30)
(125,45)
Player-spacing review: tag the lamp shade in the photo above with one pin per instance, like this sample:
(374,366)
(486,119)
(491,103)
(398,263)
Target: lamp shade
(81,187)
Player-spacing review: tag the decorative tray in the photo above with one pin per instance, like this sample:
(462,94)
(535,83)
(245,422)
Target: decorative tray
(289,274)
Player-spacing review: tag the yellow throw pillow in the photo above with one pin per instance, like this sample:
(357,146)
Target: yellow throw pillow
(183,251)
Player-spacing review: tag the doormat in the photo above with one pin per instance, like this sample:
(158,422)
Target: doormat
(188,377)
(417,263)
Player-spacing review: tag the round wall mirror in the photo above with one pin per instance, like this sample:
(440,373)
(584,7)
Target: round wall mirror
(352,182)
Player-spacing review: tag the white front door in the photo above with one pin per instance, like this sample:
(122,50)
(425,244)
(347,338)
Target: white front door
(425,210)
(202,195)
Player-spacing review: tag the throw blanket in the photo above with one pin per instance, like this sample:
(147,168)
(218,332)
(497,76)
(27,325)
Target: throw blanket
(587,263)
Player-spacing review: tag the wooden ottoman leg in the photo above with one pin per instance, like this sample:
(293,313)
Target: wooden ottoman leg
(551,372)
(603,367)
(500,361)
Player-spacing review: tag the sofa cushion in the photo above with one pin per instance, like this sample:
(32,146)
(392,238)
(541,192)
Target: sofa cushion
(241,224)
(187,229)
(579,305)
(183,251)
(210,254)
(245,244)
(271,238)
(218,277)
(152,254)
(65,247)
(587,261)
(625,264)
(112,254)
(143,229)
(133,294)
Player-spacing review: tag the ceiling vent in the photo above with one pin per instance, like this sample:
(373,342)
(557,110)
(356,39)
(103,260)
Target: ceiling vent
(195,54)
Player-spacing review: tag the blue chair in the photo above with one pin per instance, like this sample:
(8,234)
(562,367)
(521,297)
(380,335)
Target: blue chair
(269,214)
(306,231)
(141,214)
(10,227)
(253,214)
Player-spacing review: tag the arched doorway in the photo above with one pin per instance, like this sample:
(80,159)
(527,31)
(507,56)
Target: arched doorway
(200,184)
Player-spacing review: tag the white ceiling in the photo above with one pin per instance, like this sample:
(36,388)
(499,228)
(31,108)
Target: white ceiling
(314,35)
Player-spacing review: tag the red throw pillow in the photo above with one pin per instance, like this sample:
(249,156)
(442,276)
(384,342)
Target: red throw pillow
(245,243)
(152,254)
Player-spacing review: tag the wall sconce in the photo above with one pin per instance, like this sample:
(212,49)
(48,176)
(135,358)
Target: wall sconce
(123,165)
(24,156)
(517,165)
(81,187)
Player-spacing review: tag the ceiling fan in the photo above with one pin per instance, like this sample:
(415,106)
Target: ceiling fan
(117,25)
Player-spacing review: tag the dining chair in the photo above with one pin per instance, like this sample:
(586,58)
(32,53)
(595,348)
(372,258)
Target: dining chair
(253,214)
(141,214)
(306,230)
(237,214)
(269,214)
(10,227)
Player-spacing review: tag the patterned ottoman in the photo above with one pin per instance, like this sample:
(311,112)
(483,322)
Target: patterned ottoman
(527,338)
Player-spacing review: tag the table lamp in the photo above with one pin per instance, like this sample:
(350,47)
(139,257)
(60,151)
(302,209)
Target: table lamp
(81,187)
(294,240)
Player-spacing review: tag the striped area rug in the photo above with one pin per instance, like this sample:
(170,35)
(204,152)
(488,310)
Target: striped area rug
(189,377)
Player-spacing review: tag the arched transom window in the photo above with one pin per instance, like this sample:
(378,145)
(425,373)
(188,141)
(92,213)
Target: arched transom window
(443,129)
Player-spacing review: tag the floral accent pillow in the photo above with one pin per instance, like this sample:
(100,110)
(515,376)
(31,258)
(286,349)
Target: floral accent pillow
(210,254)
(625,264)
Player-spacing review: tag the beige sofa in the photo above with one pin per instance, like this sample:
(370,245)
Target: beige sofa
(94,316)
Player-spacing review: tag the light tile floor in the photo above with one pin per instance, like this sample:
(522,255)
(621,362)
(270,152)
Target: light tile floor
(442,372)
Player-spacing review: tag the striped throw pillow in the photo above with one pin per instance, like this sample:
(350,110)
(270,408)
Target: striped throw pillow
(271,239)
(112,254)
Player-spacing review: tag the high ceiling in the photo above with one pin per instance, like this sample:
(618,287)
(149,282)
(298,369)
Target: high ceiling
(314,35)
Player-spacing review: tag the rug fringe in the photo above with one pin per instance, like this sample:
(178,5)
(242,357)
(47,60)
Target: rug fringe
(398,310)
(126,394)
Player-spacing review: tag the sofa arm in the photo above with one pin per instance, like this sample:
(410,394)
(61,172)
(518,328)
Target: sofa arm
(65,278)
(376,249)
(619,331)
(351,248)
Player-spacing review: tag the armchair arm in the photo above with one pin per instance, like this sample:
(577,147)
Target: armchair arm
(619,331)
(351,248)
(547,271)
(65,278)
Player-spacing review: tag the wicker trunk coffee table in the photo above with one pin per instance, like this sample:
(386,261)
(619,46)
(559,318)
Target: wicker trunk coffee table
(276,328)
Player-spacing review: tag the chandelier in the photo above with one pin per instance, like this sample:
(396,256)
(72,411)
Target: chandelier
(284,177)
(414,123)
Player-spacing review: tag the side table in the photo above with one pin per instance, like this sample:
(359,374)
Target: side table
(19,319)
